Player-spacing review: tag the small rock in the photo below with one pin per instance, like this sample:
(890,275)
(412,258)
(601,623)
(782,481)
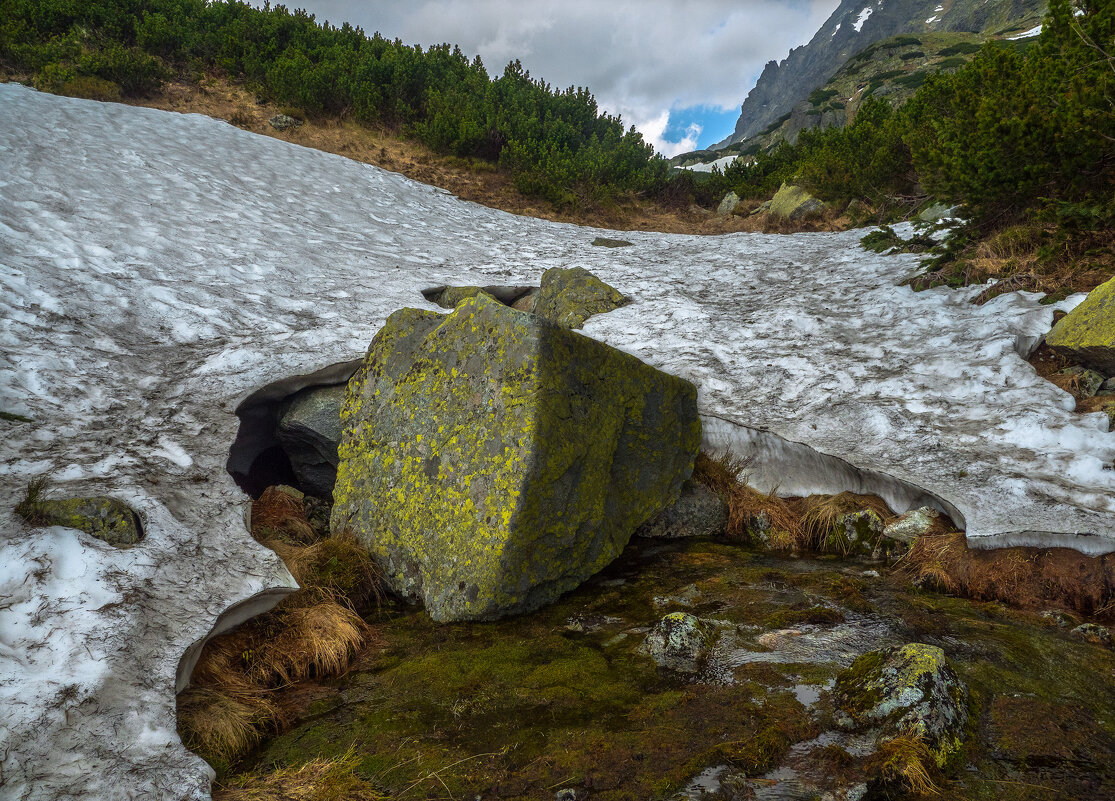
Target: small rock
(679,642)
(698,512)
(1055,617)
(283,122)
(909,691)
(568,794)
(1087,333)
(794,203)
(1089,383)
(1108,385)
(104,518)
(935,212)
(871,574)
(526,302)
(569,296)
(604,242)
(908,527)
(728,204)
(855,533)
(1090,632)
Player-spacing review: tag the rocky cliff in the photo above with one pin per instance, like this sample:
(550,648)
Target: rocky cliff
(856,25)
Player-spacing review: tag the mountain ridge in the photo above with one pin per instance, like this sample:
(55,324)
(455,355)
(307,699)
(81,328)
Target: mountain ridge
(856,25)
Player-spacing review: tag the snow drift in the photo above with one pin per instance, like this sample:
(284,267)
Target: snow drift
(156,268)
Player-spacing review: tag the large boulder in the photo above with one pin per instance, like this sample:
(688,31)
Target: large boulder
(728,205)
(794,203)
(570,295)
(492,460)
(309,432)
(1087,333)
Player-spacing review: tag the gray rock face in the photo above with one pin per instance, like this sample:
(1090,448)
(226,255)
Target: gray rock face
(309,431)
(284,122)
(1093,633)
(492,460)
(679,642)
(698,512)
(783,85)
(728,204)
(909,691)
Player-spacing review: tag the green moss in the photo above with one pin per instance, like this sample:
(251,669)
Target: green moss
(15,418)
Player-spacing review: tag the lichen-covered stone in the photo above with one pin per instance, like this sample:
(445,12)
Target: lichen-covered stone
(908,527)
(605,242)
(1093,633)
(908,691)
(452,296)
(794,203)
(728,204)
(569,296)
(283,122)
(1087,333)
(698,512)
(491,460)
(855,533)
(679,642)
(309,432)
(104,518)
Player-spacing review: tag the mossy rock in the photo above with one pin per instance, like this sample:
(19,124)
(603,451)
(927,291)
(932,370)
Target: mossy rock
(492,461)
(1087,333)
(452,296)
(908,691)
(794,203)
(104,518)
(569,296)
(680,642)
(856,533)
(605,242)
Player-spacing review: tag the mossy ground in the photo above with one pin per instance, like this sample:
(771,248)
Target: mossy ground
(562,698)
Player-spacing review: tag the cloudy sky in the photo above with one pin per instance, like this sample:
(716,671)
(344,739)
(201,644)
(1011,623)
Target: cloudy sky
(676,71)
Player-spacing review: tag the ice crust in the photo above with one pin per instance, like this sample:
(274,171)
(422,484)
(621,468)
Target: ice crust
(157,268)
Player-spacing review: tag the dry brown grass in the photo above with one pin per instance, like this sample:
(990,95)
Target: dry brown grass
(237,688)
(222,722)
(907,765)
(726,475)
(820,513)
(319,780)
(1030,578)
(313,641)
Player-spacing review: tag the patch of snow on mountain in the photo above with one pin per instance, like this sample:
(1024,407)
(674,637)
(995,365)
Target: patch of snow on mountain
(720,164)
(864,14)
(1035,31)
(156,268)
(834,30)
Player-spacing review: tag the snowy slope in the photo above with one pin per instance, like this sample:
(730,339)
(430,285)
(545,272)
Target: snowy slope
(156,268)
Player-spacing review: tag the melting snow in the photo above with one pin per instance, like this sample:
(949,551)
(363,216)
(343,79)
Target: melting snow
(1035,31)
(862,18)
(720,164)
(157,267)
(834,30)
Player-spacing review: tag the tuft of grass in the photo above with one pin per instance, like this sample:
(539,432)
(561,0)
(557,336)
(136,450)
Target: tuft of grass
(314,633)
(221,723)
(319,780)
(30,508)
(1030,578)
(905,764)
(820,513)
(726,474)
(307,642)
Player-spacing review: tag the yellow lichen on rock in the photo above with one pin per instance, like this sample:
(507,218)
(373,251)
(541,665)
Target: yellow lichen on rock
(491,460)
(1087,333)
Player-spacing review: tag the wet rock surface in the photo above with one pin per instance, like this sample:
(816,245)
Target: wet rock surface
(309,431)
(679,641)
(567,699)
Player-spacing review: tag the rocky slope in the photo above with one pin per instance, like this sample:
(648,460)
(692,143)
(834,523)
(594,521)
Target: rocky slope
(856,25)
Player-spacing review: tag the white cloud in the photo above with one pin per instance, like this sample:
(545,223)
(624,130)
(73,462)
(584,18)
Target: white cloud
(654,131)
(640,58)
